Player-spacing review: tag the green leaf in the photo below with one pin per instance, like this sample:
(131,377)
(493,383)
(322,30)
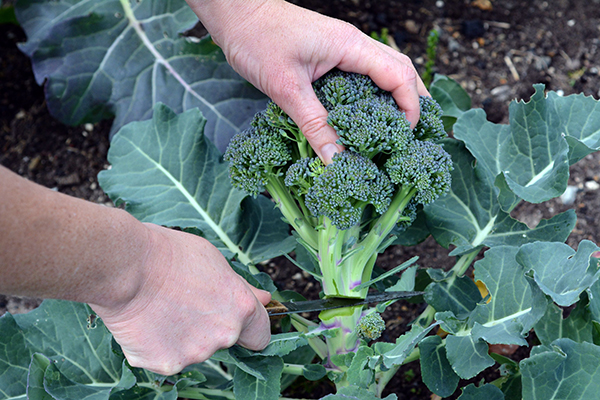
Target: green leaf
(282,344)
(469,216)
(120,58)
(515,305)
(314,372)
(406,281)
(249,387)
(577,326)
(395,353)
(414,234)
(594,301)
(15,357)
(531,153)
(168,173)
(393,271)
(63,388)
(435,369)
(564,370)
(484,392)
(467,355)
(449,293)
(260,280)
(578,117)
(58,331)
(35,380)
(559,271)
(355,393)
(453,99)
(357,374)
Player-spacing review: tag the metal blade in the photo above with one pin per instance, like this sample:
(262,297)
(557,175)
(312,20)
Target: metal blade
(276,308)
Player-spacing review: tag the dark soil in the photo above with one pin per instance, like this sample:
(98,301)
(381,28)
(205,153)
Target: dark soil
(496,50)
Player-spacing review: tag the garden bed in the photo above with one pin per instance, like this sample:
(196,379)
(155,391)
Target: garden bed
(496,54)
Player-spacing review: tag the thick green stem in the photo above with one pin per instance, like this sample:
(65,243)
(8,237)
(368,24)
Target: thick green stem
(464,262)
(363,261)
(346,339)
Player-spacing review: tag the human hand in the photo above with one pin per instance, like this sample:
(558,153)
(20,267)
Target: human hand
(189,304)
(281,49)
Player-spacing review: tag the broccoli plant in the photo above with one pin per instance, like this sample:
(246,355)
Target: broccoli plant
(508,283)
(345,213)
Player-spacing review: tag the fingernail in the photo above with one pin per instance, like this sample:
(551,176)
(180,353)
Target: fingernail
(327,152)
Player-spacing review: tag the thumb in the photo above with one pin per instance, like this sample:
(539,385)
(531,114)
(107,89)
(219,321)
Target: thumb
(308,113)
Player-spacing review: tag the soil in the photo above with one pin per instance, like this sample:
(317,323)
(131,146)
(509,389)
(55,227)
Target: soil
(495,49)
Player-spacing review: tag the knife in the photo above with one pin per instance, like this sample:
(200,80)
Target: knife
(277,309)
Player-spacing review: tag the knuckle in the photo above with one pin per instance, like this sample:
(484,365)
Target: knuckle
(313,126)
(227,338)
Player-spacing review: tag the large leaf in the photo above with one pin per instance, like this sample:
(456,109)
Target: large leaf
(449,292)
(119,58)
(530,153)
(565,370)
(453,99)
(577,326)
(167,173)
(484,392)
(578,117)
(59,332)
(470,216)
(468,355)
(561,272)
(514,306)
(249,387)
(435,368)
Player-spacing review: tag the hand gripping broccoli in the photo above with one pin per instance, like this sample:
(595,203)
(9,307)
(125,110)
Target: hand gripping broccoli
(343,213)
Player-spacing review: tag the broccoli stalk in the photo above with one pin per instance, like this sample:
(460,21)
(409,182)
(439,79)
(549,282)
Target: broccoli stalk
(344,213)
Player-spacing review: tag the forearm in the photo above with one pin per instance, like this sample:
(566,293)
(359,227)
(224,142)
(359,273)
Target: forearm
(56,246)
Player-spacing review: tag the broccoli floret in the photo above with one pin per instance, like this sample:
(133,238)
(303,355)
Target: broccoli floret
(424,166)
(300,175)
(430,125)
(344,213)
(370,326)
(340,88)
(345,187)
(254,156)
(370,126)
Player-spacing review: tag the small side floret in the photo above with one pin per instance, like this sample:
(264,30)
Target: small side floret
(370,326)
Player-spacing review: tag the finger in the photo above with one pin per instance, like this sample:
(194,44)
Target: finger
(308,113)
(262,296)
(256,330)
(255,333)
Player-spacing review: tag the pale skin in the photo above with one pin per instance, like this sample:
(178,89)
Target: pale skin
(160,291)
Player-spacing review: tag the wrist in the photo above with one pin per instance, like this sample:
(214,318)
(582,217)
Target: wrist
(121,285)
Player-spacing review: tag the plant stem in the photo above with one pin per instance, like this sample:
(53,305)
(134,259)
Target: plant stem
(464,262)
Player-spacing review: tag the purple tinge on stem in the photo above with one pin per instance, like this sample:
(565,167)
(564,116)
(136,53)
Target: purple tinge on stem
(354,284)
(324,326)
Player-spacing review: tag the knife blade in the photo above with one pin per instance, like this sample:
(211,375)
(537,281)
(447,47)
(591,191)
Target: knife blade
(277,309)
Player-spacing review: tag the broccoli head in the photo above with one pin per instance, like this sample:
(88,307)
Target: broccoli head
(344,213)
